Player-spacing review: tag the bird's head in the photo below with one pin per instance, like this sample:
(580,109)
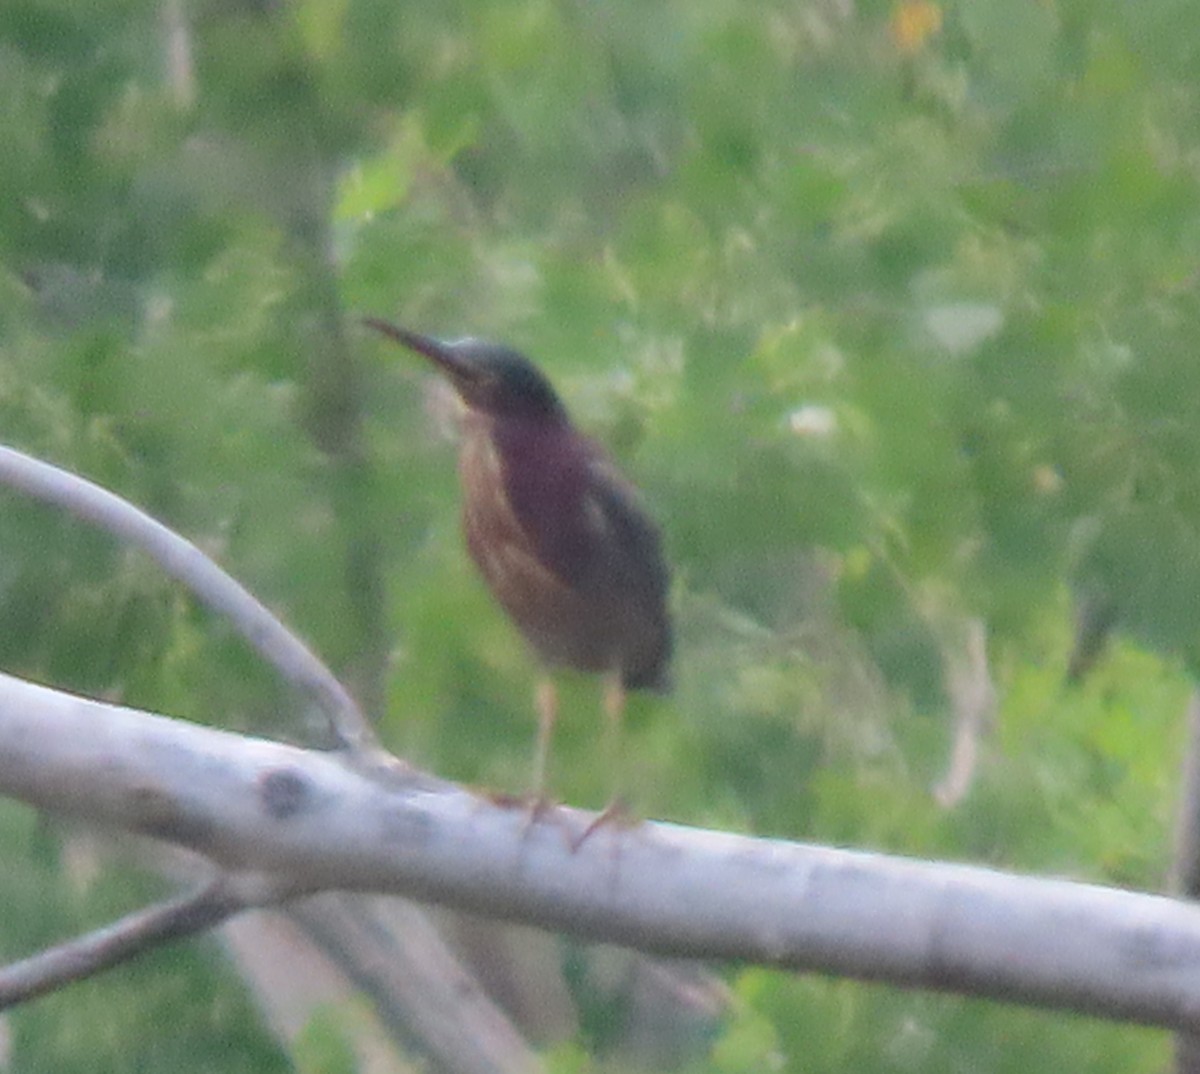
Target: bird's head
(487,376)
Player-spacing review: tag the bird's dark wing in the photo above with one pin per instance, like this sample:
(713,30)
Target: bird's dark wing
(615,516)
(627,564)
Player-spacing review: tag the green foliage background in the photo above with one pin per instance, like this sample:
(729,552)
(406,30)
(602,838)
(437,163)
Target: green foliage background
(893,332)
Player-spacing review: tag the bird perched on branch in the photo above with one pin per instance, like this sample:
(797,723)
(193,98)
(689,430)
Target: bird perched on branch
(558,534)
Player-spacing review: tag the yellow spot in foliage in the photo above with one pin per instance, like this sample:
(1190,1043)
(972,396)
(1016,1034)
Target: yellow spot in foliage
(913,23)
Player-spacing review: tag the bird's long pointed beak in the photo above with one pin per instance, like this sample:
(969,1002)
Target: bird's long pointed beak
(443,355)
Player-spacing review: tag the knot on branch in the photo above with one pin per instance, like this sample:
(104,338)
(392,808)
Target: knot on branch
(284,792)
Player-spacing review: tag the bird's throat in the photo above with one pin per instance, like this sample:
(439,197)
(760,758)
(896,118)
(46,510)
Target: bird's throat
(533,471)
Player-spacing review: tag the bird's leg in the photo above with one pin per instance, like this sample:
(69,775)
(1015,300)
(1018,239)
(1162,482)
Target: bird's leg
(614,710)
(546,701)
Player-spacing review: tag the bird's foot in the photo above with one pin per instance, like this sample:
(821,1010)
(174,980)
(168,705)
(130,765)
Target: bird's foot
(617,814)
(505,799)
(537,808)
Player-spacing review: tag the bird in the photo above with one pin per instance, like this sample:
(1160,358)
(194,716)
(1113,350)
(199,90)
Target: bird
(560,536)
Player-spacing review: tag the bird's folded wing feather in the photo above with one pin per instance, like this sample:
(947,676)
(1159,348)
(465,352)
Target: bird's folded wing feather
(631,559)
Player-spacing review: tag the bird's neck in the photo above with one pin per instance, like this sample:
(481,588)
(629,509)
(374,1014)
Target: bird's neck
(538,461)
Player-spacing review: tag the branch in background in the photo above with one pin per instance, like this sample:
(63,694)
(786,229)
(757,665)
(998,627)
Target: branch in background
(122,940)
(311,823)
(392,952)
(1185,856)
(1096,616)
(185,562)
(297,988)
(178,62)
(973,699)
(216,589)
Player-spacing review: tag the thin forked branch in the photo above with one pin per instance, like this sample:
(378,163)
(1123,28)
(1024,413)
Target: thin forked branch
(184,562)
(118,942)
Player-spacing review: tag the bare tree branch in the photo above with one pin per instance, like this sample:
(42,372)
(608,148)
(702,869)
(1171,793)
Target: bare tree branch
(294,983)
(178,62)
(973,699)
(1185,858)
(185,562)
(391,950)
(307,822)
(118,942)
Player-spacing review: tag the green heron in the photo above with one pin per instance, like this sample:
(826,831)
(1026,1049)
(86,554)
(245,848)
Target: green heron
(556,531)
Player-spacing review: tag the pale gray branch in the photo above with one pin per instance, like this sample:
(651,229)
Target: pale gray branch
(185,562)
(1185,859)
(122,940)
(392,952)
(316,823)
(179,63)
(973,701)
